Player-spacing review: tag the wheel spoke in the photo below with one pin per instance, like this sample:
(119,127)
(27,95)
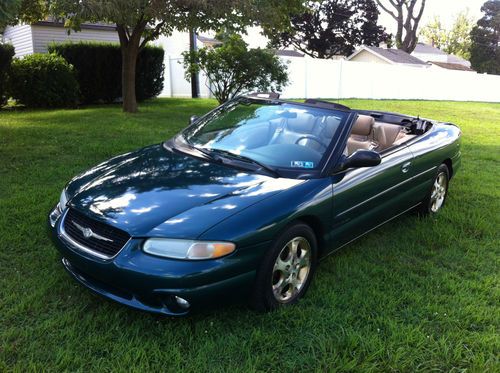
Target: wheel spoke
(278,288)
(282,265)
(304,260)
(293,249)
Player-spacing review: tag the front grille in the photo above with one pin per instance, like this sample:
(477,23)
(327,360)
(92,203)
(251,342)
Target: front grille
(76,224)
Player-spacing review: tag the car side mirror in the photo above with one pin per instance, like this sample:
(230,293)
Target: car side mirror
(360,158)
(193,118)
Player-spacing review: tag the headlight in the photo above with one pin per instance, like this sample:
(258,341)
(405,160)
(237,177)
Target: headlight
(59,209)
(63,200)
(187,249)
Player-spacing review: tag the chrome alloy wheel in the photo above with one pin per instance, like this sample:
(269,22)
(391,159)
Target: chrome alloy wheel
(439,190)
(291,269)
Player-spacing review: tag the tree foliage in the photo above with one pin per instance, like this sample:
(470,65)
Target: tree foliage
(331,27)
(6,55)
(485,39)
(435,33)
(140,21)
(8,11)
(28,11)
(407,14)
(232,68)
(455,40)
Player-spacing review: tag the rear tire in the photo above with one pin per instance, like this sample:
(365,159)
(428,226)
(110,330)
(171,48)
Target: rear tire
(287,269)
(436,198)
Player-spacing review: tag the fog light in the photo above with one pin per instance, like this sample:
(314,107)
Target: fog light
(181,302)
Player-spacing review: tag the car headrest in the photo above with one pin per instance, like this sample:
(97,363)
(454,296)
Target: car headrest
(363,125)
(303,123)
(331,124)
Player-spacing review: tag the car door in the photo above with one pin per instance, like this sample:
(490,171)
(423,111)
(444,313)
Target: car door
(365,198)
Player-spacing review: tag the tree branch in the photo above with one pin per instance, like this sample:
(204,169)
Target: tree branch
(153,35)
(421,13)
(122,35)
(391,13)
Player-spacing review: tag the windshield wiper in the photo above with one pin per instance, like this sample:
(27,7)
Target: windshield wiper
(210,153)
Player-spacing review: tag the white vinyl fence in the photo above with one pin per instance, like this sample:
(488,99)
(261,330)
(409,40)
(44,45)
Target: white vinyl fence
(315,78)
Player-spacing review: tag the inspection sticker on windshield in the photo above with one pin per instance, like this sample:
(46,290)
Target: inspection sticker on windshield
(302,164)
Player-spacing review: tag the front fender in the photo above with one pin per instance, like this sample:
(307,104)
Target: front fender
(264,220)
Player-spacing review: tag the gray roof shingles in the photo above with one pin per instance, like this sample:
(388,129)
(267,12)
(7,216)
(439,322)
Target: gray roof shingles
(397,56)
(428,49)
(287,53)
(452,66)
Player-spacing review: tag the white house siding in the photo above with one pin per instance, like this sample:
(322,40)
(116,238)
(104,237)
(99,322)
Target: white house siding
(20,37)
(45,35)
(365,56)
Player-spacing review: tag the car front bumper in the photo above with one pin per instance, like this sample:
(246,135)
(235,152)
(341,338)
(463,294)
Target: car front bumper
(151,283)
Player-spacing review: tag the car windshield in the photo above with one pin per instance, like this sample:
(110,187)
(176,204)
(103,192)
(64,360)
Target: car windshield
(272,133)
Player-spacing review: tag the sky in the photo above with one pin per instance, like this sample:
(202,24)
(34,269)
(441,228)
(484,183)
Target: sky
(445,9)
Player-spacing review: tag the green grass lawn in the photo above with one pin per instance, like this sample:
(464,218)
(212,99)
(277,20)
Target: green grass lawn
(415,295)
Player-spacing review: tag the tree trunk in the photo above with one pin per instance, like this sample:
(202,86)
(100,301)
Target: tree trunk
(130,44)
(129,63)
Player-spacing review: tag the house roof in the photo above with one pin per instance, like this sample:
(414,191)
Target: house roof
(394,56)
(458,60)
(428,49)
(451,66)
(287,53)
(207,40)
(85,26)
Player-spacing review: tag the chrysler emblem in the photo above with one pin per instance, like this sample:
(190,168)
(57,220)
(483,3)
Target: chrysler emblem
(89,233)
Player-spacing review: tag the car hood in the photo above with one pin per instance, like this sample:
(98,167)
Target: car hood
(155,192)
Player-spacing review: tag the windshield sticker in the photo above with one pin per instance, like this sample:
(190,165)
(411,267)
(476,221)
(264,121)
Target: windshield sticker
(302,164)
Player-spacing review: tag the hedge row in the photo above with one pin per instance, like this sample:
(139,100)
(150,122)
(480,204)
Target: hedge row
(6,54)
(43,80)
(98,68)
(73,73)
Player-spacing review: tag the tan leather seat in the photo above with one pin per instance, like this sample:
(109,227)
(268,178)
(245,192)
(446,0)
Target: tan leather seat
(361,134)
(385,134)
(388,135)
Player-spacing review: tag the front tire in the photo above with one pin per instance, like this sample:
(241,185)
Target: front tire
(436,198)
(287,270)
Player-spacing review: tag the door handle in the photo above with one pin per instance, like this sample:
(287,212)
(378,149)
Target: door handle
(406,167)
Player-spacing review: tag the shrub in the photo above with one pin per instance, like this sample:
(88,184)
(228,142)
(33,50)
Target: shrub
(149,73)
(6,54)
(98,67)
(232,68)
(43,80)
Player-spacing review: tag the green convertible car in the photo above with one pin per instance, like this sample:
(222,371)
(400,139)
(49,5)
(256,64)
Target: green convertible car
(246,200)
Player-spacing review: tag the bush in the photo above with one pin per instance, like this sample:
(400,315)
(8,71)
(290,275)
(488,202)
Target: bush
(149,73)
(98,67)
(6,54)
(43,80)
(232,68)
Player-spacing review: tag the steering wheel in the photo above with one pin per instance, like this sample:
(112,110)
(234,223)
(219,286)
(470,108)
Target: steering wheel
(311,137)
